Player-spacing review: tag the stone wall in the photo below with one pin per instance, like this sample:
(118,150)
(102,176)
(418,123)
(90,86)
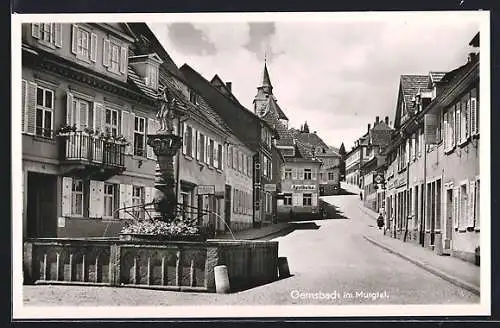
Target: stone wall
(180,266)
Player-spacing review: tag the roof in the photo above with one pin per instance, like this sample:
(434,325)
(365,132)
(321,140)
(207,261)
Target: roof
(219,83)
(266,81)
(475,40)
(273,106)
(235,115)
(285,137)
(410,86)
(436,77)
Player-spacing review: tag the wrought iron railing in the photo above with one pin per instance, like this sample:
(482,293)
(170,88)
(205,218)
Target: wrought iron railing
(85,147)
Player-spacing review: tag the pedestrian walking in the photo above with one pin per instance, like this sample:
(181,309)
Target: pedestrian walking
(380,221)
(361,195)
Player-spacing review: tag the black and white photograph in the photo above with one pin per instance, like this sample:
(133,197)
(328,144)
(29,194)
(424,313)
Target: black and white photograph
(251,165)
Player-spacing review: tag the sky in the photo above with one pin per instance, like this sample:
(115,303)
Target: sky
(336,74)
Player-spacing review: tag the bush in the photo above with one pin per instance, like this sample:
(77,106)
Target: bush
(160,228)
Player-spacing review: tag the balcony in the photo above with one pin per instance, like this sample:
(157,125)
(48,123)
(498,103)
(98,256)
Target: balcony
(91,156)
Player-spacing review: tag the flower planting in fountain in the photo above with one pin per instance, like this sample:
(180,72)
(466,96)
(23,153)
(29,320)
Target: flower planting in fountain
(175,228)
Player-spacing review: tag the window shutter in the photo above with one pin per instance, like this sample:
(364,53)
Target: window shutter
(282,173)
(98,117)
(197,145)
(74,36)
(445,131)
(57,34)
(193,142)
(96,206)
(149,195)
(457,126)
(313,174)
(125,201)
(69,108)
(477,204)
(128,200)
(106,53)
(151,130)
(314,200)
(124,128)
(31,115)
(93,47)
(471,197)
(123,60)
(35,30)
(216,154)
(456,207)
(453,131)
(67,183)
(184,140)
(24,93)
(294,174)
(414,145)
(473,116)
(207,149)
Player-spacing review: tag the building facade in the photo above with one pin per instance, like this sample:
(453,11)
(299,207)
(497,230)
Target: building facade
(433,181)
(84,127)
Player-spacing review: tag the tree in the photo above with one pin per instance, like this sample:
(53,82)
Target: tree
(342,161)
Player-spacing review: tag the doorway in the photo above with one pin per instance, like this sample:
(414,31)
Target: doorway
(41,208)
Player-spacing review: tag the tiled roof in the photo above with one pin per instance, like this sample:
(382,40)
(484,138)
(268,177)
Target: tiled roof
(436,76)
(219,83)
(266,81)
(285,137)
(410,85)
(139,82)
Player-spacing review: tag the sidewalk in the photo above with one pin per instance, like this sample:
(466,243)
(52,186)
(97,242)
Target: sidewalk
(256,233)
(456,271)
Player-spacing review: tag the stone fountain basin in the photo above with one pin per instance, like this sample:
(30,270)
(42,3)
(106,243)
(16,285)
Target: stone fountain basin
(160,264)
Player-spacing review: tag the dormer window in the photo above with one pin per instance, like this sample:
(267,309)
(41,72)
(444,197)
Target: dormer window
(147,66)
(193,97)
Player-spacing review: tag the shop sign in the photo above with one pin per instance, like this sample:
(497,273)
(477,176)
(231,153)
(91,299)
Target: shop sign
(304,187)
(270,187)
(206,190)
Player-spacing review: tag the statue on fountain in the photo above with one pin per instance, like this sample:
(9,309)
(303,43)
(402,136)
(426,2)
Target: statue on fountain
(166,113)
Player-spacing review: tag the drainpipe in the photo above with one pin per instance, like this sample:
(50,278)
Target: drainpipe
(424,199)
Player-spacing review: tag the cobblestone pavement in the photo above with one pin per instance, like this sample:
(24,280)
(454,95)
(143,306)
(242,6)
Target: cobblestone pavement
(330,261)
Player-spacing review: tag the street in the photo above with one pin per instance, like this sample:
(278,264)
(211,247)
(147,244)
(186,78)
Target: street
(330,262)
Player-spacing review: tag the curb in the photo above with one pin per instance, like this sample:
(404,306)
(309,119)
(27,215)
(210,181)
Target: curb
(454,280)
(271,233)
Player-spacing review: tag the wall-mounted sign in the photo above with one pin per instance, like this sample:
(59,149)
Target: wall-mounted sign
(304,187)
(270,187)
(61,222)
(379,178)
(206,190)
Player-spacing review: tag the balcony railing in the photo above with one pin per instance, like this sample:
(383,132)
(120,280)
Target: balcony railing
(81,146)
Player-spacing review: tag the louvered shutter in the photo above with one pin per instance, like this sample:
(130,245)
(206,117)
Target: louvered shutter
(35,30)
(123,60)
(185,139)
(314,199)
(294,174)
(31,116)
(471,203)
(98,117)
(216,154)
(106,53)
(74,37)
(193,142)
(125,126)
(69,108)
(67,184)
(151,130)
(93,47)
(457,125)
(456,207)
(149,195)
(222,157)
(445,131)
(58,35)
(96,204)
(24,93)
(313,174)
(197,145)
(474,116)
(207,149)
(125,201)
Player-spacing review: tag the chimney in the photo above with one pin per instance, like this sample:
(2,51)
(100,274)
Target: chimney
(472,57)
(229,85)
(377,119)
(387,120)
(369,126)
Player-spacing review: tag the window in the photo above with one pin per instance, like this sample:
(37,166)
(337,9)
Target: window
(188,140)
(77,197)
(230,156)
(82,43)
(307,200)
(307,174)
(330,176)
(185,205)
(109,200)
(79,114)
(115,58)
(138,201)
(139,136)
(287,200)
(288,174)
(47,33)
(44,112)
(474,113)
(111,121)
(193,97)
